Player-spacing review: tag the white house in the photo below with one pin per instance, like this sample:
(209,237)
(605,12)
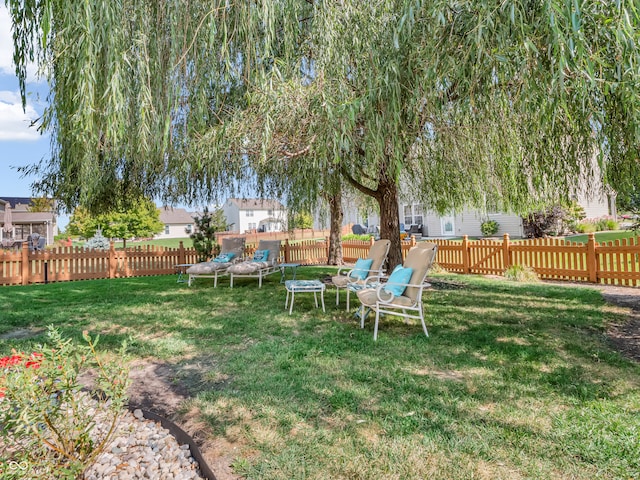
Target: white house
(468,221)
(178,223)
(252,214)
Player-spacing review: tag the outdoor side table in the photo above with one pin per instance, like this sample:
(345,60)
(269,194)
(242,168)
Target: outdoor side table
(181,269)
(283,269)
(304,286)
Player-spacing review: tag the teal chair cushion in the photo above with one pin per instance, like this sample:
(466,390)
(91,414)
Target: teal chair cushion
(224,257)
(361,269)
(261,256)
(397,283)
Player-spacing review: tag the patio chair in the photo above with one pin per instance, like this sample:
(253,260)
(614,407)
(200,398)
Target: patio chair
(372,266)
(232,251)
(401,295)
(266,260)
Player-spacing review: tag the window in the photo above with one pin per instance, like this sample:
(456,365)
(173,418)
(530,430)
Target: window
(270,213)
(408,218)
(249,213)
(189,228)
(167,229)
(252,225)
(417,214)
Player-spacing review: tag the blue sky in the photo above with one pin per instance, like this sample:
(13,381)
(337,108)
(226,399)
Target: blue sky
(20,144)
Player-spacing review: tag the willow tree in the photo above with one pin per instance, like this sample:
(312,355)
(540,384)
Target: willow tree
(470,100)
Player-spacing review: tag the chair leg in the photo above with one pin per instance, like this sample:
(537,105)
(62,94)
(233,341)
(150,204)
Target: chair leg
(337,296)
(322,299)
(348,291)
(375,327)
(190,280)
(315,298)
(424,326)
(293,296)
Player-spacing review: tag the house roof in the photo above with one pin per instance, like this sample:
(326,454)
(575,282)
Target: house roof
(257,203)
(172,216)
(20,204)
(18,217)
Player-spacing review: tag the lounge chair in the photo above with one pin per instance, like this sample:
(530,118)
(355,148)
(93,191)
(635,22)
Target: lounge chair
(372,266)
(232,251)
(265,261)
(402,293)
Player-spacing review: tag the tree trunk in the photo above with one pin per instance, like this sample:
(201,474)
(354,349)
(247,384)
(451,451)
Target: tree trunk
(387,198)
(335,234)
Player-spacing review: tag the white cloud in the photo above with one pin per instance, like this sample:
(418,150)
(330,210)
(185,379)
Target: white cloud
(6,43)
(14,123)
(6,48)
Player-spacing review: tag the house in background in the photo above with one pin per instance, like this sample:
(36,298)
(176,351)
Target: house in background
(468,221)
(251,214)
(178,223)
(26,222)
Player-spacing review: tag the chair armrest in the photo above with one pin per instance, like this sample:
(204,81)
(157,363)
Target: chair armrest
(345,270)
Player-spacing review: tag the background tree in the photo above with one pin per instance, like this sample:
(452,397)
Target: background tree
(41,204)
(204,237)
(300,220)
(472,98)
(141,219)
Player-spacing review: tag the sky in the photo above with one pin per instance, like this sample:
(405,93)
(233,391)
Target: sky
(20,143)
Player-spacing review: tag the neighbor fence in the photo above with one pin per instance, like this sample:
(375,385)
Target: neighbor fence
(615,262)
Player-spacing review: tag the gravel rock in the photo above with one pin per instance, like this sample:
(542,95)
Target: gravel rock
(143,449)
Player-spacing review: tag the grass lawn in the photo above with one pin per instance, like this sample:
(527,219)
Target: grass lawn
(604,236)
(515,381)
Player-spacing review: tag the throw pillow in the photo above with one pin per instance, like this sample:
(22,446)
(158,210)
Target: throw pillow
(397,283)
(224,257)
(361,269)
(261,255)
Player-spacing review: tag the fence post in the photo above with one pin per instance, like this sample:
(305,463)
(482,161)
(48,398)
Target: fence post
(465,254)
(326,244)
(287,252)
(592,261)
(182,257)
(25,263)
(113,263)
(505,251)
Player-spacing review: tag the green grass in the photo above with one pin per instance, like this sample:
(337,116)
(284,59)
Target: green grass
(604,236)
(515,381)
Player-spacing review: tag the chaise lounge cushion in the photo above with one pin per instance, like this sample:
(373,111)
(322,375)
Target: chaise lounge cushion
(204,268)
(270,248)
(233,247)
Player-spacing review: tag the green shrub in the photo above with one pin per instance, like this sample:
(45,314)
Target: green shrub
(365,237)
(489,227)
(51,426)
(585,227)
(603,224)
(521,273)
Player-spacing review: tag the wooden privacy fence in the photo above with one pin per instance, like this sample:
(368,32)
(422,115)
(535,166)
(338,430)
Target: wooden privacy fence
(614,262)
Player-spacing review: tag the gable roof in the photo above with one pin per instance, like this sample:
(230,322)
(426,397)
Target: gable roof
(17,200)
(170,215)
(256,204)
